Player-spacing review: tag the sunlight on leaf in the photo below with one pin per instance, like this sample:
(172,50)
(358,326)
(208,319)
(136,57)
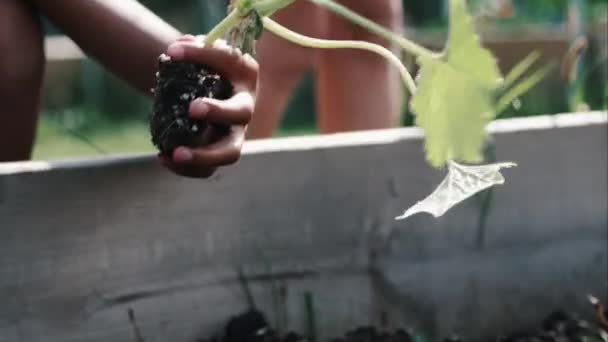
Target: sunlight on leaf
(455,98)
(461,182)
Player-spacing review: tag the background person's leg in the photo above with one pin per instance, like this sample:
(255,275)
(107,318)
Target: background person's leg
(282,66)
(358,90)
(21,72)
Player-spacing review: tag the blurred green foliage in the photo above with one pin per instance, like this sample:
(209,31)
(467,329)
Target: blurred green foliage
(431,13)
(103,100)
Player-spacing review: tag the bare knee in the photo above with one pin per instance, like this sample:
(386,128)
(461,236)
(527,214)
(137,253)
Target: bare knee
(21,43)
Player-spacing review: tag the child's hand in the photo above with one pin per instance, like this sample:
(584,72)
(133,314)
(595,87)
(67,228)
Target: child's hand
(242,71)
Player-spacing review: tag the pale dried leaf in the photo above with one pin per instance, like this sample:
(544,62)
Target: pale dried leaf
(461,182)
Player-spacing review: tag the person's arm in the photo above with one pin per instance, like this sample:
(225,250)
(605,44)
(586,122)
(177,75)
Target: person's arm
(127,38)
(123,35)
(22,70)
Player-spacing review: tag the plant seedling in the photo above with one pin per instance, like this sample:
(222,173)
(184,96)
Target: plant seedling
(457,93)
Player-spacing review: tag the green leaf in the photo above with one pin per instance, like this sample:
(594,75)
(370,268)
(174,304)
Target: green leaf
(455,99)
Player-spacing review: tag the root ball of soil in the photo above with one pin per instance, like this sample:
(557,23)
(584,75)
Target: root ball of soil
(177,85)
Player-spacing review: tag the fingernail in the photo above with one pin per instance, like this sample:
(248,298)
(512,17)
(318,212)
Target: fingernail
(199,108)
(182,155)
(176,51)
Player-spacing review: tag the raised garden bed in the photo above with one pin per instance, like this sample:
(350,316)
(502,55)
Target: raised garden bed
(306,219)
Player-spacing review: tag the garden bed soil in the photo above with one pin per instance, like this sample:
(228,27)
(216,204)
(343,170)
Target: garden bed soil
(558,326)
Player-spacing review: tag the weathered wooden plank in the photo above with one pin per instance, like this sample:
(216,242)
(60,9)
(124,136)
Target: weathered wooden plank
(81,242)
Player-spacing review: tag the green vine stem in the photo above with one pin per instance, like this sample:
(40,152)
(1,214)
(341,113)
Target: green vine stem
(241,9)
(224,26)
(266,7)
(306,41)
(404,43)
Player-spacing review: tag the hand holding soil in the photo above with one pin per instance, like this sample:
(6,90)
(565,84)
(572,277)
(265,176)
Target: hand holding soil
(204,100)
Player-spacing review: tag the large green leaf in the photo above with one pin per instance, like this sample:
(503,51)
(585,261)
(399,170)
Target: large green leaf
(455,99)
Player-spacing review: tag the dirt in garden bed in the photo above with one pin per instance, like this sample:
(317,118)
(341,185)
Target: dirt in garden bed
(559,326)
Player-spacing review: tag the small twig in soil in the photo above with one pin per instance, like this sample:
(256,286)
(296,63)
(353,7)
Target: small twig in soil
(485,198)
(246,289)
(600,311)
(283,301)
(311,320)
(133,322)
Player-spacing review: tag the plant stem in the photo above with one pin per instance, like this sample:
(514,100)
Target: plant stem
(522,87)
(404,43)
(520,69)
(220,29)
(306,41)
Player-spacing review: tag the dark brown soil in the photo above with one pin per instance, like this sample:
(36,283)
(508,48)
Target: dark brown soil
(177,85)
(559,326)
